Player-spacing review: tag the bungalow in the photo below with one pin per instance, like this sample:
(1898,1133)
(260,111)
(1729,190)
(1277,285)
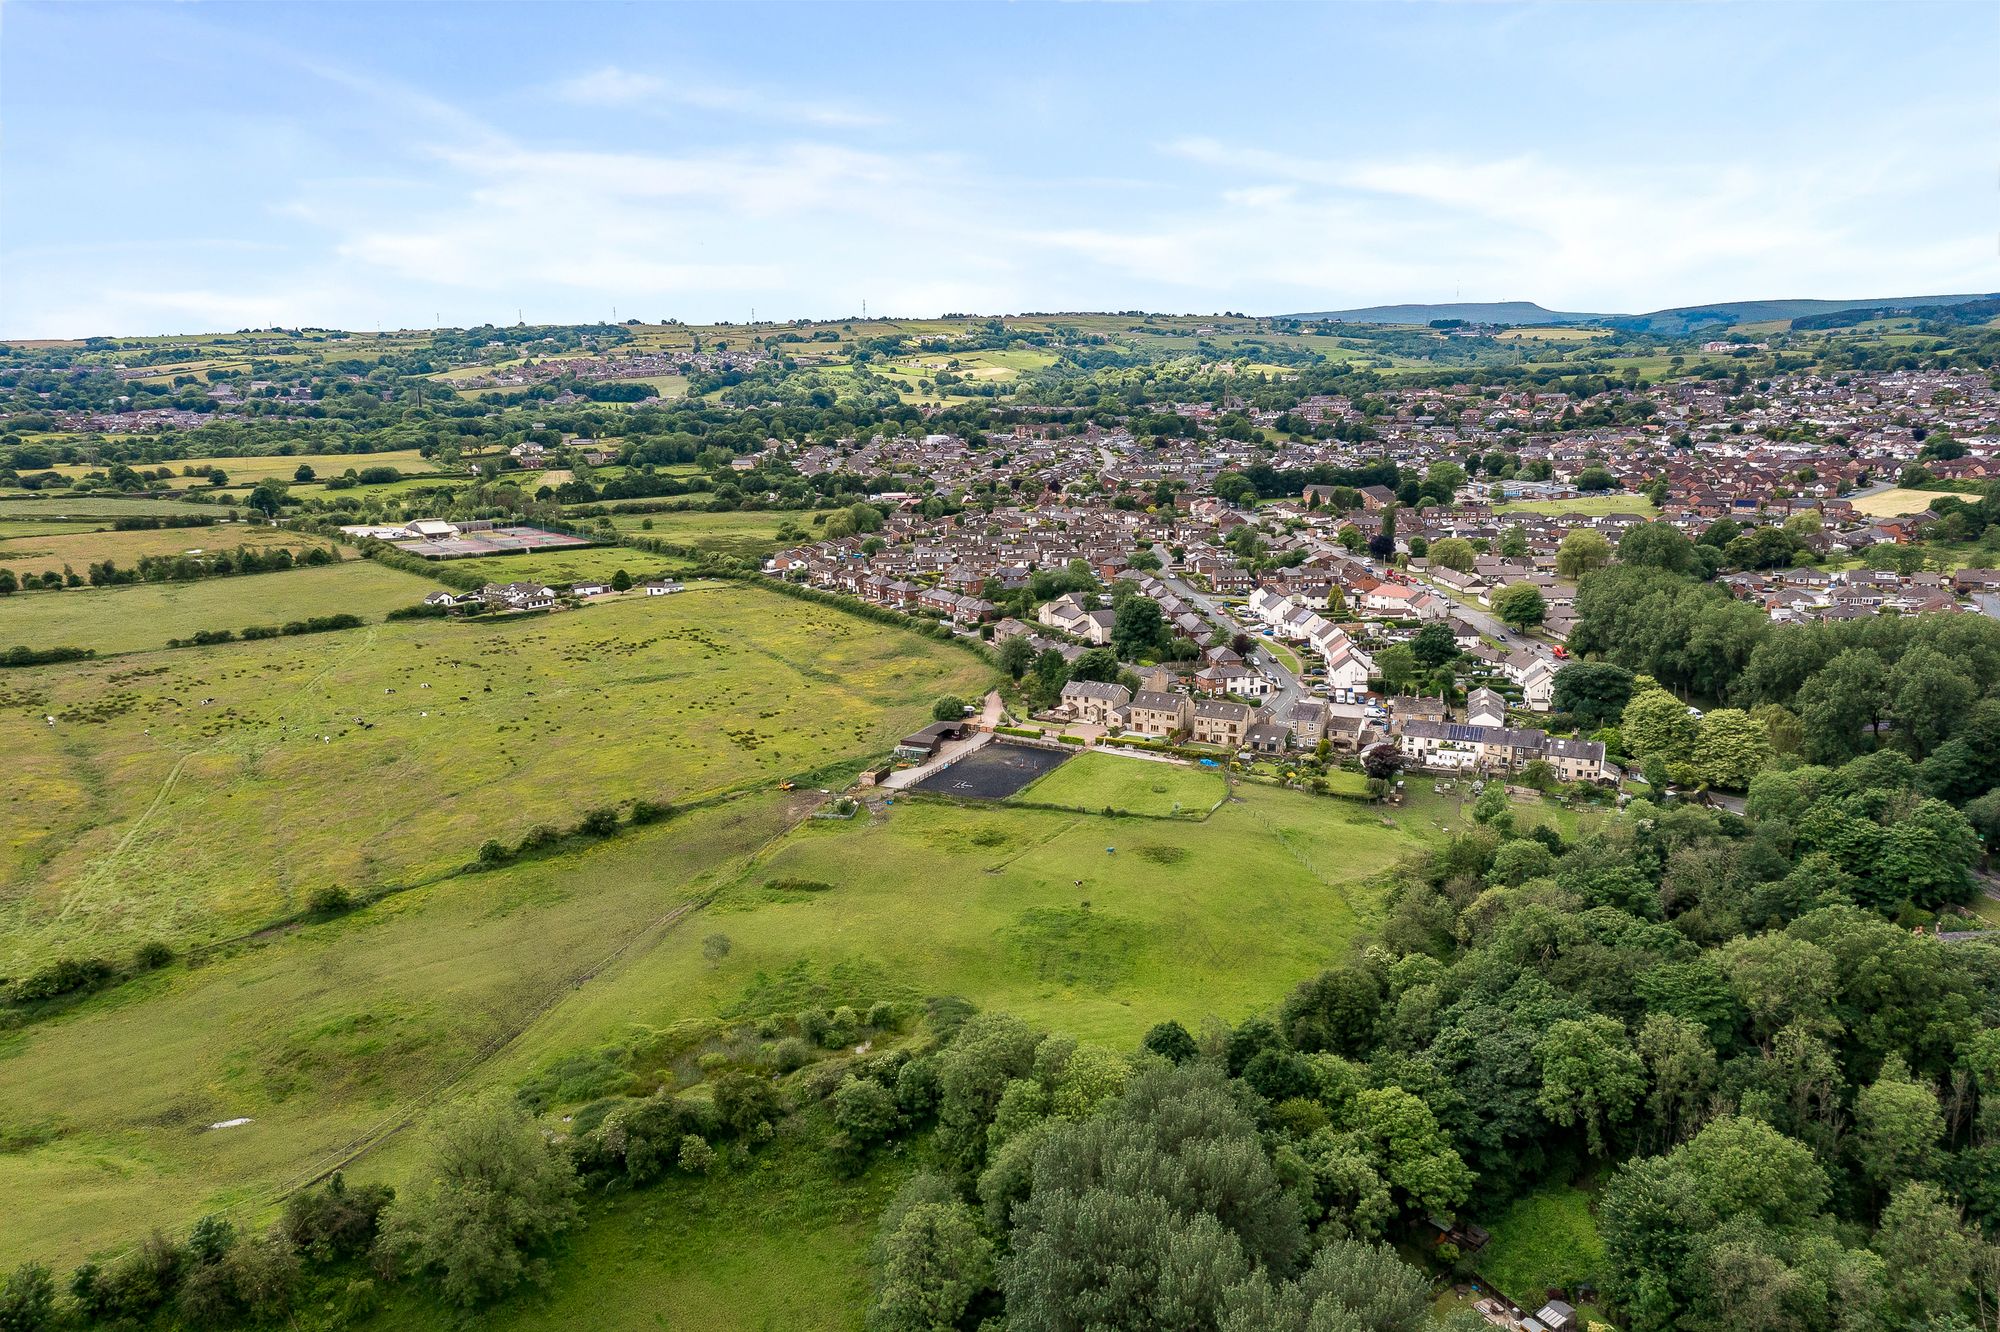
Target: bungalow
(661,587)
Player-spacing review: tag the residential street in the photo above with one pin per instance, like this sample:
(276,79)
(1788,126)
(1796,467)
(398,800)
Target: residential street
(1289,690)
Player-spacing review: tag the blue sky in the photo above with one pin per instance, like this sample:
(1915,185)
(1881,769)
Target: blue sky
(172,168)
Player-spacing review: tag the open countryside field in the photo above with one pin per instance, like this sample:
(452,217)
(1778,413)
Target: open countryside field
(1100,926)
(326,1038)
(98,506)
(1129,785)
(454,732)
(142,616)
(248,469)
(1896,501)
(747,534)
(55,546)
(561,567)
(329,1037)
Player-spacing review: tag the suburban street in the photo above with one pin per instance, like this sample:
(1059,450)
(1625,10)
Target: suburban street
(1289,689)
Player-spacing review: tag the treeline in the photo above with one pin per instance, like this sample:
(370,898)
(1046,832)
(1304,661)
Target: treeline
(316,624)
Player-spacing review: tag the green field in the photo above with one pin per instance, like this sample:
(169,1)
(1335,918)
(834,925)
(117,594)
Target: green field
(57,546)
(198,793)
(1129,785)
(1543,1241)
(329,1037)
(749,535)
(562,567)
(99,506)
(142,616)
(248,469)
(1590,506)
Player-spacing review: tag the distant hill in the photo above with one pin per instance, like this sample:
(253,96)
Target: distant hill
(1473,312)
(1680,319)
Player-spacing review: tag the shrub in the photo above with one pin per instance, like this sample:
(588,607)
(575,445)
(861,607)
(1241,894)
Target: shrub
(65,976)
(331,900)
(151,956)
(333,1222)
(791,1054)
(695,1155)
(491,853)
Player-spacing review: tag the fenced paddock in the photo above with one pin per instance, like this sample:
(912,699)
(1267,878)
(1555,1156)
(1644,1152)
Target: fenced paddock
(994,771)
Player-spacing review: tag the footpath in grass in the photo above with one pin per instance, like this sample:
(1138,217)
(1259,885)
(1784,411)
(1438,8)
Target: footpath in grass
(1096,782)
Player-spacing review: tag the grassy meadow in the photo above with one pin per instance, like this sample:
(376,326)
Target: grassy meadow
(57,546)
(194,794)
(139,617)
(1096,782)
(1895,501)
(748,535)
(1545,1239)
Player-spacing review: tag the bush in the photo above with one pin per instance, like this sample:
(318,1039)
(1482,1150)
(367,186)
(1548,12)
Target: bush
(334,1222)
(151,956)
(695,1155)
(332,900)
(66,976)
(491,853)
(28,1300)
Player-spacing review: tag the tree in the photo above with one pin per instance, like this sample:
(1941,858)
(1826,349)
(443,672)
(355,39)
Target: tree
(1099,664)
(621,581)
(1840,704)
(1382,762)
(267,497)
(1147,1215)
(1730,749)
(1595,479)
(1015,655)
(496,1193)
(948,708)
(1657,546)
(1929,696)
(1657,723)
(1514,543)
(1451,553)
(1928,1253)
(714,948)
(303,473)
(28,1300)
(1397,666)
(1434,646)
(1351,1286)
(1520,605)
(1582,551)
(933,1264)
(1897,1125)
(1590,1076)
(1593,692)
(1138,629)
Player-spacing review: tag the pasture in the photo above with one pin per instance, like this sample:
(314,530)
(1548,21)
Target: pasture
(196,794)
(139,617)
(745,534)
(326,1037)
(1129,785)
(1895,501)
(62,507)
(248,469)
(55,546)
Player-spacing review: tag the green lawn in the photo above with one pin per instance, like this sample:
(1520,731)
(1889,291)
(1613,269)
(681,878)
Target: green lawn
(98,506)
(1592,506)
(1129,785)
(1545,1240)
(143,616)
(196,793)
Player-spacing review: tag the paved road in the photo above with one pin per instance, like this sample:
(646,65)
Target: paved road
(1481,620)
(1289,691)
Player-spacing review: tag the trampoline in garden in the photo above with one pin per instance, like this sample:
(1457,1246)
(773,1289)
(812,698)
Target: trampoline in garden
(992,772)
